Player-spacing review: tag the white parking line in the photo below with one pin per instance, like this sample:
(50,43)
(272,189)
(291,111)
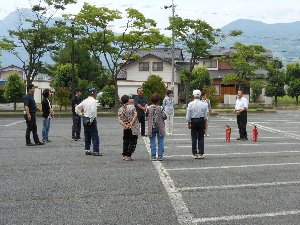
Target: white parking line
(241,217)
(239,144)
(234,153)
(230,167)
(183,215)
(237,186)
(11,124)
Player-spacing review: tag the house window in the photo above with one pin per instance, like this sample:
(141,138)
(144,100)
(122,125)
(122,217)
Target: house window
(144,66)
(157,66)
(210,63)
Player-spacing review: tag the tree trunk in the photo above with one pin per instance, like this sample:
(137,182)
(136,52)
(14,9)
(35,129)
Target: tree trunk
(116,94)
(276,101)
(297,101)
(15,106)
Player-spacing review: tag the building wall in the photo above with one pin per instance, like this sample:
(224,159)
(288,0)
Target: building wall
(136,78)
(223,65)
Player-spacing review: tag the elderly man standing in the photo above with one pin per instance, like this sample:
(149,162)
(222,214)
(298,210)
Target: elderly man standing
(241,106)
(196,115)
(87,109)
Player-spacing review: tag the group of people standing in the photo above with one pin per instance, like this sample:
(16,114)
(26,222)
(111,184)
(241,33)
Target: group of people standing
(132,116)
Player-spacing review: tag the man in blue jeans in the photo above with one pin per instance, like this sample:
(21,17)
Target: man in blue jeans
(87,109)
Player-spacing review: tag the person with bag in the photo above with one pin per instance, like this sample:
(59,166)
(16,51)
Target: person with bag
(196,115)
(156,127)
(87,109)
(168,105)
(127,117)
(47,115)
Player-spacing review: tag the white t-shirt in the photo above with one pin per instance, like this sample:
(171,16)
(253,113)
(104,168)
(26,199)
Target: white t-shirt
(241,103)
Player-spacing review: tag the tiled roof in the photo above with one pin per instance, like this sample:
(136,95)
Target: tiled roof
(122,75)
(163,53)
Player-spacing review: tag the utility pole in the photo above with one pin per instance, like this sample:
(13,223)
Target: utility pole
(173,46)
(73,60)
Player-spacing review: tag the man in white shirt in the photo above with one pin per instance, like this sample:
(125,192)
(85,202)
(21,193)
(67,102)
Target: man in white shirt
(241,106)
(87,109)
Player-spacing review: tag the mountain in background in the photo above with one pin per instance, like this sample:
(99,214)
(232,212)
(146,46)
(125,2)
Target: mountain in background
(283,39)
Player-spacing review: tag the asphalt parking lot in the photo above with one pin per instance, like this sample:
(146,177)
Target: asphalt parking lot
(237,183)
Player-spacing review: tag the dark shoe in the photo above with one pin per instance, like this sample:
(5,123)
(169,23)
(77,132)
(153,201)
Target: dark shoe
(39,143)
(30,144)
(78,138)
(88,152)
(74,139)
(244,139)
(160,158)
(97,154)
(43,140)
(238,139)
(48,141)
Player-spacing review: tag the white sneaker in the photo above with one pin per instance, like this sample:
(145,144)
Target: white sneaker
(206,135)
(196,156)
(201,157)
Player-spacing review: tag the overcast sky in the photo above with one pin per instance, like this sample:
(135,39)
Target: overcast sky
(216,12)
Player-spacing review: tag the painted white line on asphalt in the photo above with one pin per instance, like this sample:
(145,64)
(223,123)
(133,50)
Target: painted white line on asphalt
(250,216)
(235,153)
(219,138)
(231,167)
(271,130)
(238,186)
(239,144)
(11,124)
(183,215)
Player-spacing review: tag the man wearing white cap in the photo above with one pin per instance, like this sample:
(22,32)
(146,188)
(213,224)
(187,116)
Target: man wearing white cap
(196,115)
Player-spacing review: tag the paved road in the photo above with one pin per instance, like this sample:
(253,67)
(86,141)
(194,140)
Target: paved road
(237,183)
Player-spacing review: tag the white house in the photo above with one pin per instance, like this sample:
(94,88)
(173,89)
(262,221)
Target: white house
(157,61)
(41,81)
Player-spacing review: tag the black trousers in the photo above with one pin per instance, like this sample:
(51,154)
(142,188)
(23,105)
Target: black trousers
(141,118)
(129,142)
(197,132)
(76,128)
(31,127)
(242,124)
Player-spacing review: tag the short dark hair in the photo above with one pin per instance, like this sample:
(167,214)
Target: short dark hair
(155,98)
(169,92)
(46,93)
(124,99)
(202,94)
(77,90)
(29,86)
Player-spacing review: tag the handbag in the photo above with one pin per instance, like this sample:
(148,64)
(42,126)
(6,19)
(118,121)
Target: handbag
(86,121)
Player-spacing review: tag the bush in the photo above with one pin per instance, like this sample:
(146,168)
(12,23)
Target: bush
(108,96)
(154,84)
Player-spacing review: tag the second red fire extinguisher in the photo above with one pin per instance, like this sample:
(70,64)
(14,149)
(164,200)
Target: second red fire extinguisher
(254,133)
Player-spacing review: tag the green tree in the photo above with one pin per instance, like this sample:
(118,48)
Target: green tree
(154,84)
(39,38)
(14,89)
(245,60)
(197,37)
(63,76)
(5,45)
(293,80)
(256,89)
(117,49)
(62,97)
(108,96)
(275,81)
(200,78)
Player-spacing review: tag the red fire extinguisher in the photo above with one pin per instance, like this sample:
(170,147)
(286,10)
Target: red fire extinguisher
(254,133)
(228,133)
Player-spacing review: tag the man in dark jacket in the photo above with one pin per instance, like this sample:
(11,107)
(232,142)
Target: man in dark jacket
(76,128)
(140,103)
(30,110)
